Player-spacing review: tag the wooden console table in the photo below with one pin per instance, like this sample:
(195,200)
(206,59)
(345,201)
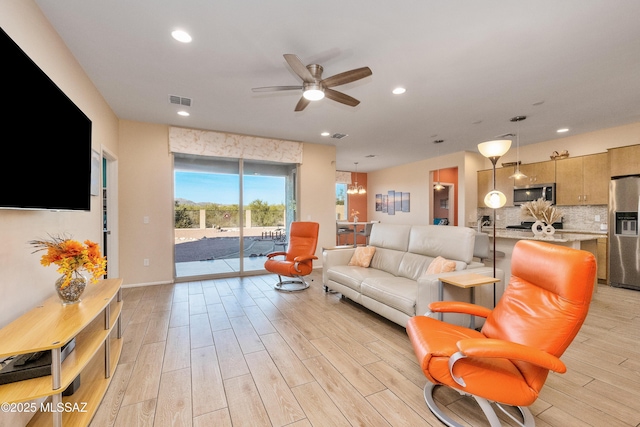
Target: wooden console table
(470,280)
(49,327)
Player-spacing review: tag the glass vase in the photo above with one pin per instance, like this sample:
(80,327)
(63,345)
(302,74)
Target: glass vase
(71,293)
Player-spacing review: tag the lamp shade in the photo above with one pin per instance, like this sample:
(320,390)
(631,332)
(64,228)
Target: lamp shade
(495,199)
(495,148)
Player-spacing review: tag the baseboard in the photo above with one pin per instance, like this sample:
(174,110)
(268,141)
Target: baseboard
(137,285)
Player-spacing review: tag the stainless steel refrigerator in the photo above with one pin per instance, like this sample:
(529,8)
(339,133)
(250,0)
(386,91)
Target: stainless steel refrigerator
(624,241)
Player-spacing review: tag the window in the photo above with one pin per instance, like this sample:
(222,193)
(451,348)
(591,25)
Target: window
(341,202)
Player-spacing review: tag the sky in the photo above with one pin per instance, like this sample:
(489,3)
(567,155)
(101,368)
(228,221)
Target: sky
(223,188)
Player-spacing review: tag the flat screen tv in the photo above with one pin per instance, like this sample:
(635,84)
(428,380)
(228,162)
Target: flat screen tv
(45,139)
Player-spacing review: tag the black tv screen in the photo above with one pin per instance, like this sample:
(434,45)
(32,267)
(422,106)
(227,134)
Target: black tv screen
(45,139)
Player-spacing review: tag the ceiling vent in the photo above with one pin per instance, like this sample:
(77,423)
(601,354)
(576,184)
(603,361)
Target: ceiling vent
(180,100)
(339,135)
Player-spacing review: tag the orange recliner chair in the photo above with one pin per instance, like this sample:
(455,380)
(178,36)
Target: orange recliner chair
(298,259)
(508,360)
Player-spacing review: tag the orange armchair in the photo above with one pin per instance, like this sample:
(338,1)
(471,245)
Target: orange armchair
(298,259)
(508,360)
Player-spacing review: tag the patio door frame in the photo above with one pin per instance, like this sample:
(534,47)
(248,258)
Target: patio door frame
(291,197)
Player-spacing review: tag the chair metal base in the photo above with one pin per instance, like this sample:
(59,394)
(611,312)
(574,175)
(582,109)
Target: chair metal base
(294,284)
(485,405)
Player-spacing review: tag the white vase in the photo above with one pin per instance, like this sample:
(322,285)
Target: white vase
(549,231)
(538,229)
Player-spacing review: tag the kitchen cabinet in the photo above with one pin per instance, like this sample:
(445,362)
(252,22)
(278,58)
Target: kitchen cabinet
(603,261)
(503,184)
(583,180)
(624,160)
(537,173)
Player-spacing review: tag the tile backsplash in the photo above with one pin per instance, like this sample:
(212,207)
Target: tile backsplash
(579,218)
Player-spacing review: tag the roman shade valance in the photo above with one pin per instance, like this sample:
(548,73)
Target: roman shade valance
(343,177)
(222,144)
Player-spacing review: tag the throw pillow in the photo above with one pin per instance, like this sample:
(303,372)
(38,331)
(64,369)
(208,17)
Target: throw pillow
(440,265)
(362,256)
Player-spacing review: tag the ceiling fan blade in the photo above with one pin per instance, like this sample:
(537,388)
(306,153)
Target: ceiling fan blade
(302,104)
(299,68)
(347,77)
(275,88)
(340,97)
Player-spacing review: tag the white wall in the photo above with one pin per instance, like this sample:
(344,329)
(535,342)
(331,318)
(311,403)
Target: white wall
(415,178)
(25,283)
(577,145)
(146,190)
(318,193)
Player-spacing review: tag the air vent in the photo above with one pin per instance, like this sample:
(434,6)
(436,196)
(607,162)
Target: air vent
(339,135)
(180,100)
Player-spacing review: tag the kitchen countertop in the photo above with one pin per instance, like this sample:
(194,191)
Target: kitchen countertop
(559,235)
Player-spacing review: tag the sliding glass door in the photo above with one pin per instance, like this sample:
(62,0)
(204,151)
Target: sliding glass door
(229,213)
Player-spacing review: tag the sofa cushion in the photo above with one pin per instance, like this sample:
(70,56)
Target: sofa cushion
(390,236)
(397,292)
(441,265)
(352,276)
(362,256)
(387,260)
(455,243)
(413,266)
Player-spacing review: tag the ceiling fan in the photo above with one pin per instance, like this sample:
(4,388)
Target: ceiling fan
(314,87)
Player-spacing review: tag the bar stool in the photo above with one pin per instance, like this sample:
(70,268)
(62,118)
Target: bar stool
(366,231)
(341,230)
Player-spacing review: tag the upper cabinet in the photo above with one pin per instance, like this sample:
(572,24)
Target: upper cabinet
(625,160)
(583,180)
(537,173)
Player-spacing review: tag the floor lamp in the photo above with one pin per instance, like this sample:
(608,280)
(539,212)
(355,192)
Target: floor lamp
(494,199)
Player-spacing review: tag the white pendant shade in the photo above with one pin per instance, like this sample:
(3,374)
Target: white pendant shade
(495,199)
(517,174)
(495,148)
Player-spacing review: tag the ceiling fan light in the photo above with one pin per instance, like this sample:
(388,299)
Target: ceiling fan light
(313,94)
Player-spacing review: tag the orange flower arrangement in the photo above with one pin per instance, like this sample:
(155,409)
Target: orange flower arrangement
(70,256)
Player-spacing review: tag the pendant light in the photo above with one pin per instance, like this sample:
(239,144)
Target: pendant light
(355,188)
(517,174)
(438,186)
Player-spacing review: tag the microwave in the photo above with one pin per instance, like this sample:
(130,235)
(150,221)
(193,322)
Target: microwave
(529,193)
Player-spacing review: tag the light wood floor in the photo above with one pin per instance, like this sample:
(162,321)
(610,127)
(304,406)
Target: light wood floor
(234,352)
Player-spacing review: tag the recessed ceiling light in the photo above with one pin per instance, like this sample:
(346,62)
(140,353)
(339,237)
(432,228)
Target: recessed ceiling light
(325,134)
(181,36)
(183,113)
(563,130)
(399,91)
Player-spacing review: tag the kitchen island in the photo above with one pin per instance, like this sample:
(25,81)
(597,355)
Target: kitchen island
(507,238)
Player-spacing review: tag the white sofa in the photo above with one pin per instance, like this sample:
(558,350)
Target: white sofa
(395,284)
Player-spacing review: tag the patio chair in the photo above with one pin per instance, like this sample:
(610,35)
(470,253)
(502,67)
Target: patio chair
(298,258)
